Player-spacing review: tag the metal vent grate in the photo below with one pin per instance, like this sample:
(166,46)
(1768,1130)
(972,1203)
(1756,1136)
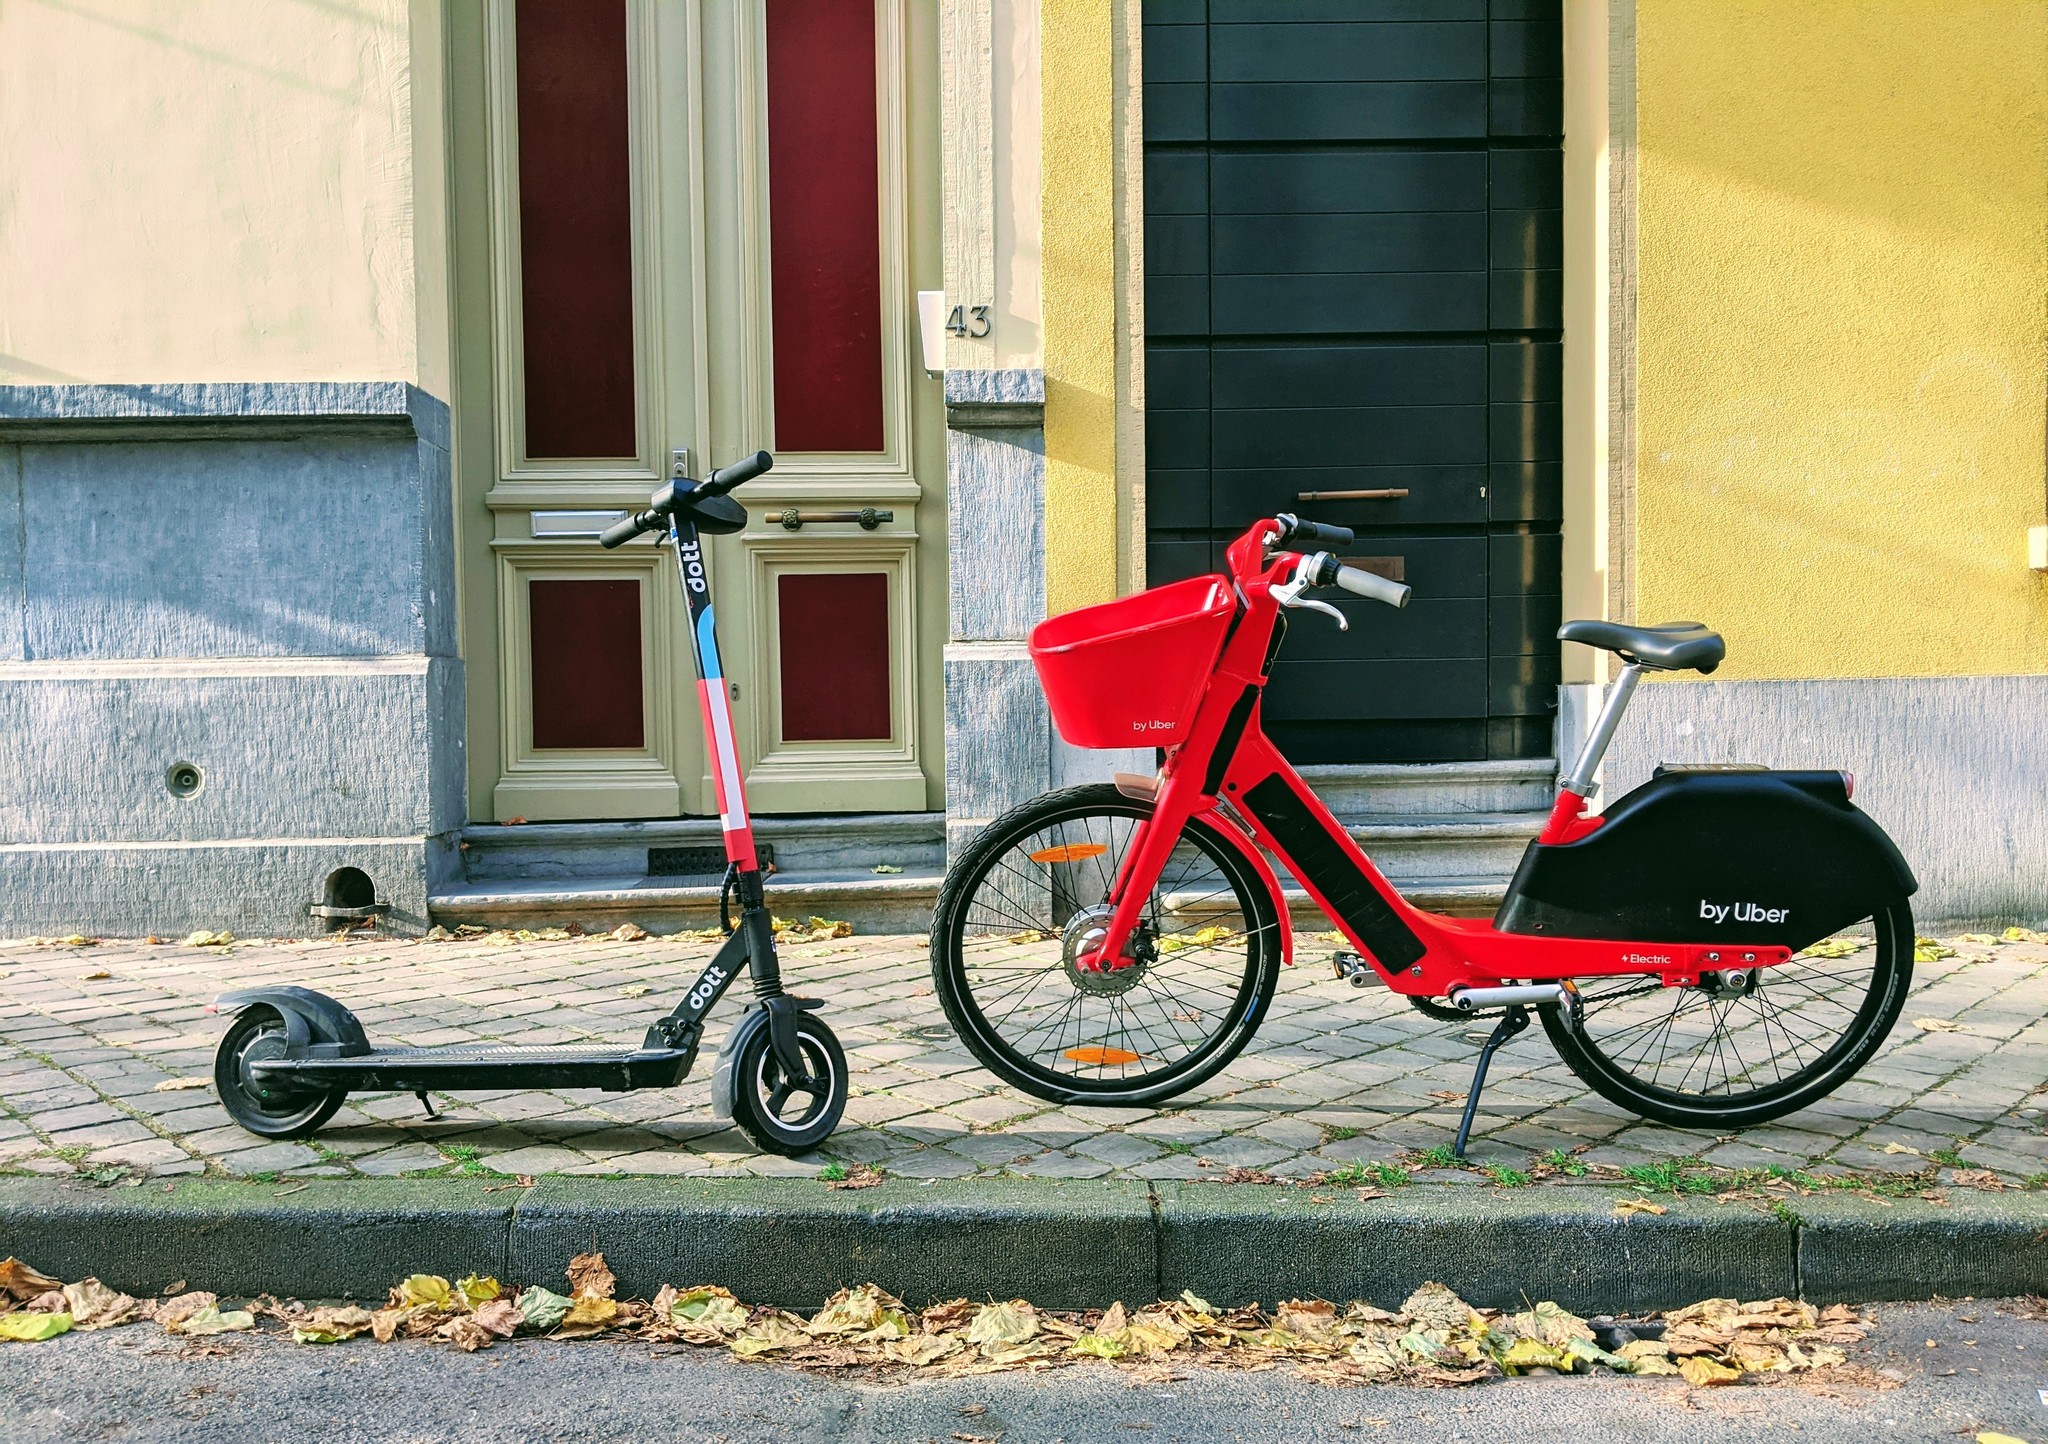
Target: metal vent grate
(696,861)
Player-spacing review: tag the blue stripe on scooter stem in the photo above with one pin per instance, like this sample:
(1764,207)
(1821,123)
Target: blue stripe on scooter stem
(707,647)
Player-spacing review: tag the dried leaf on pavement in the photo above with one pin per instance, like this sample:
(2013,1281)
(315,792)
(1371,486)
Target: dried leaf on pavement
(19,1281)
(1937,1025)
(542,1309)
(589,1278)
(179,1085)
(92,1305)
(212,1320)
(1624,1207)
(1702,1371)
(33,1328)
(858,1176)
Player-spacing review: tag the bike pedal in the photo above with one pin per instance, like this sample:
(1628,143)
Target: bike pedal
(1352,968)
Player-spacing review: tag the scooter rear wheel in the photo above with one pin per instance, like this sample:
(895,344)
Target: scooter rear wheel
(266,1109)
(1720,1060)
(778,1115)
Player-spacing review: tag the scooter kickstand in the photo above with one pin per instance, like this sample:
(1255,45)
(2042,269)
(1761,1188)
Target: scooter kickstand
(426,1103)
(1512,1022)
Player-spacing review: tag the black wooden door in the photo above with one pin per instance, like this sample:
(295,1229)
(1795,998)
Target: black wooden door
(1353,238)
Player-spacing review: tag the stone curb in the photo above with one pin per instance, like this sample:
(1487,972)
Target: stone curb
(1060,1244)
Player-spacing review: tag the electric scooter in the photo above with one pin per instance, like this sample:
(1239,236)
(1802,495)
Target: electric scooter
(292,1055)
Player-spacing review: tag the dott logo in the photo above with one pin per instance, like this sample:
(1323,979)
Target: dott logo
(693,566)
(707,985)
(1741,912)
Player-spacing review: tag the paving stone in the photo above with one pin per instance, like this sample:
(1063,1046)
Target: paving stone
(1331,1059)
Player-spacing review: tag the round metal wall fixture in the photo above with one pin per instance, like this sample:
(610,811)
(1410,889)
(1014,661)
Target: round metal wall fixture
(184,779)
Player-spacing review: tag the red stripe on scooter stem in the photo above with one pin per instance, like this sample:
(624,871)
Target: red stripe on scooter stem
(725,774)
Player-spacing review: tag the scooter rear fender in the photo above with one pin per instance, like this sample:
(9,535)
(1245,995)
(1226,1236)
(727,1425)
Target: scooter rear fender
(312,1021)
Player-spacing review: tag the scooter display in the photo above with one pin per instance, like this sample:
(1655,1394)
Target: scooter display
(1120,943)
(292,1055)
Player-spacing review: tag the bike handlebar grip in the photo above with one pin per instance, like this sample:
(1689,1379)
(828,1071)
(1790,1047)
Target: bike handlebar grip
(1370,584)
(727,477)
(626,528)
(1314,531)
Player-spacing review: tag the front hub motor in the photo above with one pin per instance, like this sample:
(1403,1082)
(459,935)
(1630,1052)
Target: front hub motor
(1083,939)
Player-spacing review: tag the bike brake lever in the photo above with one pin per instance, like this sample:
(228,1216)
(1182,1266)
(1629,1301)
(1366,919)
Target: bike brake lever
(1289,594)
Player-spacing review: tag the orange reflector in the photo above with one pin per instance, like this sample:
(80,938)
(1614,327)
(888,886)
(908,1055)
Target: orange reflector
(1070,852)
(1101,1057)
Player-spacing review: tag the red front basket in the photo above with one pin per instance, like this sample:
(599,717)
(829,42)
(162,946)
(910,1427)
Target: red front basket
(1129,673)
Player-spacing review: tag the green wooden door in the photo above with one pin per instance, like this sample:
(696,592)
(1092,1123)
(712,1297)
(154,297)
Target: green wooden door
(1353,237)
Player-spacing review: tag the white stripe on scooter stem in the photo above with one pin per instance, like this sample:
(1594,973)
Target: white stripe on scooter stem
(733,816)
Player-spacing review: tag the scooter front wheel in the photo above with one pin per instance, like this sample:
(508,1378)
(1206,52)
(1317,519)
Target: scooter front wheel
(784,1115)
(268,1110)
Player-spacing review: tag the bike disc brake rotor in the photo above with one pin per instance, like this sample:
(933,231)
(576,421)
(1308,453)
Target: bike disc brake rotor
(1084,932)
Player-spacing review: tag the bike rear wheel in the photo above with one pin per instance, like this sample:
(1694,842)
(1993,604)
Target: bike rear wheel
(1017,910)
(1702,1058)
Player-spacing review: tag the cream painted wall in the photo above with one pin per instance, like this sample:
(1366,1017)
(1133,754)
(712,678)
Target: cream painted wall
(1843,331)
(1019,325)
(208,190)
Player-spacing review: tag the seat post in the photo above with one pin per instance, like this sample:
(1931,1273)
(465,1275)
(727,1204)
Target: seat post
(1579,781)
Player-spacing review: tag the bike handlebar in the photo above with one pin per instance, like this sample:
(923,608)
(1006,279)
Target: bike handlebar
(1294,529)
(668,498)
(1369,584)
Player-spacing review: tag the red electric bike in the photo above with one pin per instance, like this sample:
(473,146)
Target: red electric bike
(1120,943)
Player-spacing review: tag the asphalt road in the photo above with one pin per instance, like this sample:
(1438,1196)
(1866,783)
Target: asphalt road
(1985,1371)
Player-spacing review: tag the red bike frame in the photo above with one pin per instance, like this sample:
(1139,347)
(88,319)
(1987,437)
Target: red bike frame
(1228,773)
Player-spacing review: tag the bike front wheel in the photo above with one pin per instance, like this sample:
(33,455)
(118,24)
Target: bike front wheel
(1726,1058)
(1023,903)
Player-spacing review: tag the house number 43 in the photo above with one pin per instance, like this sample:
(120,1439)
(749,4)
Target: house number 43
(969,321)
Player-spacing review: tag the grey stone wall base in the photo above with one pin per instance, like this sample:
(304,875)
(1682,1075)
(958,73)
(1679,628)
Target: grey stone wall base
(255,889)
(1952,767)
(791,1242)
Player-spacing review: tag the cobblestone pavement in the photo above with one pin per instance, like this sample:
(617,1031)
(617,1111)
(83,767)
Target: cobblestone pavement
(1337,1075)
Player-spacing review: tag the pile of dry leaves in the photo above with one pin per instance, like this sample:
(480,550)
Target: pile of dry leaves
(1436,1338)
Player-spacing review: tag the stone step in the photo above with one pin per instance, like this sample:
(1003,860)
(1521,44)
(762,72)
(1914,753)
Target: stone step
(913,841)
(1422,848)
(1379,790)
(886,903)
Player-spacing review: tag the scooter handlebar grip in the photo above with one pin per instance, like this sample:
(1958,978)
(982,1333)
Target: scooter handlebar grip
(626,528)
(1369,584)
(727,477)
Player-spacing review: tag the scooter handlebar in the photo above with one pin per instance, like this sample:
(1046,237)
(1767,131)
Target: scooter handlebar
(626,528)
(1368,584)
(726,478)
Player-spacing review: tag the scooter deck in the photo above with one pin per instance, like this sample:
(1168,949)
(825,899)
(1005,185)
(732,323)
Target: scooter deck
(487,1065)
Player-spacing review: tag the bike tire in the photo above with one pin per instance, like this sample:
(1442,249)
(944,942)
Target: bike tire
(1249,995)
(1620,1082)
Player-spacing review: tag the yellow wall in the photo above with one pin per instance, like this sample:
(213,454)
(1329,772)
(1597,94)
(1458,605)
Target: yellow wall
(1078,209)
(1843,269)
(207,190)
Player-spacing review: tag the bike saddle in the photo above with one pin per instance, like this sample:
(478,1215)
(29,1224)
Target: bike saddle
(1667,647)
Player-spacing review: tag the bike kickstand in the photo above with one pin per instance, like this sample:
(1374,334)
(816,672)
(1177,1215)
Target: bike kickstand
(1512,1022)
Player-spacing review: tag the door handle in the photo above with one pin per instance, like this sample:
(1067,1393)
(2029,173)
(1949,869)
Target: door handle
(868,517)
(1387,493)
